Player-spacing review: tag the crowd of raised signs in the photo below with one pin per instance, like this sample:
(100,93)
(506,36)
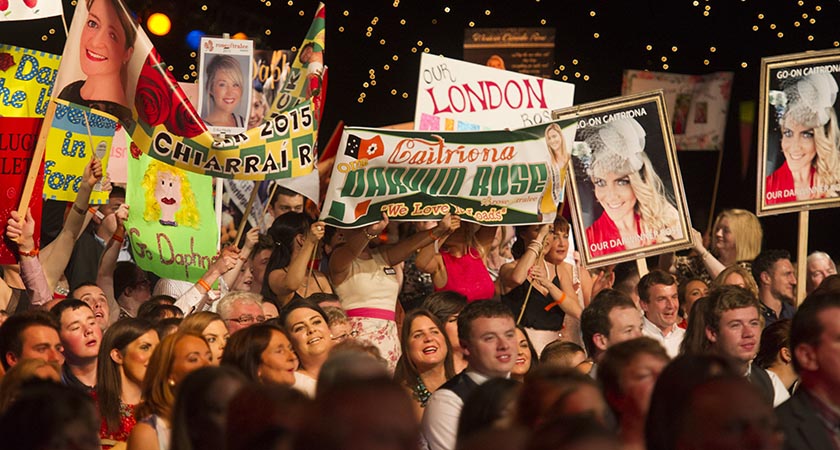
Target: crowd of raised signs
(440,335)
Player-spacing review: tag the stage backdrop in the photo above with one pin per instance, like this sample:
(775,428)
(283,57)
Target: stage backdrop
(697,104)
(528,51)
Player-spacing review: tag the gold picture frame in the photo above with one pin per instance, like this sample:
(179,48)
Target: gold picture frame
(799,86)
(632,136)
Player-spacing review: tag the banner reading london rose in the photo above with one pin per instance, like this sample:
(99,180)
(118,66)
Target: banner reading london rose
(490,177)
(799,136)
(627,191)
(155,111)
(454,95)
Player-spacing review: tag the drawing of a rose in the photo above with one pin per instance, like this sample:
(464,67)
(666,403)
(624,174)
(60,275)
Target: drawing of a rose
(153,100)
(183,120)
(6,61)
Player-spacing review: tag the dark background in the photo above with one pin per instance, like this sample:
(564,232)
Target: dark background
(373,46)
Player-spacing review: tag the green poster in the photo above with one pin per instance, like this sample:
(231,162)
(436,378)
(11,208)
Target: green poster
(171,223)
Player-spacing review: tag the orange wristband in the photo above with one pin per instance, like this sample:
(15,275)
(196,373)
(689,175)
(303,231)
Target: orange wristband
(96,212)
(204,284)
(33,253)
(556,302)
(118,237)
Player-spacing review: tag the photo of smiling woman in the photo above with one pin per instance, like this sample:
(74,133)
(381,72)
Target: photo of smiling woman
(106,46)
(223,107)
(560,156)
(637,211)
(809,141)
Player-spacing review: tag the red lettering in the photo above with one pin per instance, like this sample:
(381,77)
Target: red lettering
(434,102)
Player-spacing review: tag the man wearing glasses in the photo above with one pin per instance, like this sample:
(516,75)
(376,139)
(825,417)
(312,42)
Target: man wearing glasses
(240,310)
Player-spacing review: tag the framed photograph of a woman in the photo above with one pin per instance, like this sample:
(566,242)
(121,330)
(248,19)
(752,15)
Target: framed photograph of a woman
(224,84)
(627,192)
(799,138)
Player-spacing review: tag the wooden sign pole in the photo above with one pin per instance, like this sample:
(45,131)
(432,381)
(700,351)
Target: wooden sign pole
(270,199)
(802,257)
(247,213)
(641,264)
(220,185)
(711,220)
(37,157)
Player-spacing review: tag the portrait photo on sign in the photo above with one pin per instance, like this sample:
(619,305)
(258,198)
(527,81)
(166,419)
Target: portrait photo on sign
(799,137)
(627,194)
(94,71)
(225,84)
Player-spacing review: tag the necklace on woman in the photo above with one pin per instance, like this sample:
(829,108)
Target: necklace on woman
(421,392)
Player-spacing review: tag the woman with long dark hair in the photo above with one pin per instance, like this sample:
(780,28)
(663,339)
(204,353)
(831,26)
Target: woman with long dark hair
(124,353)
(426,360)
(288,274)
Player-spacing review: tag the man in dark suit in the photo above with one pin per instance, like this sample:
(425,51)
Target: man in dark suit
(810,418)
(487,333)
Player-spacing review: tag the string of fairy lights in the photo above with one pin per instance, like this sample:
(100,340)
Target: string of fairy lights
(392,33)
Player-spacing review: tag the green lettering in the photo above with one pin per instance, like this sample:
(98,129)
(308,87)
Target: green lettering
(481,181)
(354,184)
(539,177)
(395,186)
(518,179)
(377,185)
(454,180)
(501,176)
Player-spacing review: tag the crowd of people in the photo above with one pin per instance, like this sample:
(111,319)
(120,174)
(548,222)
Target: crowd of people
(443,335)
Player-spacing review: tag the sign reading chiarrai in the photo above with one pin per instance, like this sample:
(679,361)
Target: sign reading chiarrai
(491,178)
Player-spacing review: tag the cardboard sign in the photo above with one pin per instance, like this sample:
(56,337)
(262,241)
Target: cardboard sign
(798,133)
(454,95)
(171,226)
(18,137)
(26,81)
(163,123)
(698,104)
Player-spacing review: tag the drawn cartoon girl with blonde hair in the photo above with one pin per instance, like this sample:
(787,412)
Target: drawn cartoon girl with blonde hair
(169,197)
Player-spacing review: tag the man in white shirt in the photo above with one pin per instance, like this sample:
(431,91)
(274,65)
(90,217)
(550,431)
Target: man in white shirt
(487,332)
(660,302)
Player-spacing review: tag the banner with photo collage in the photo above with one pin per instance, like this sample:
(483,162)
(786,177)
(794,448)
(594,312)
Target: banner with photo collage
(487,177)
